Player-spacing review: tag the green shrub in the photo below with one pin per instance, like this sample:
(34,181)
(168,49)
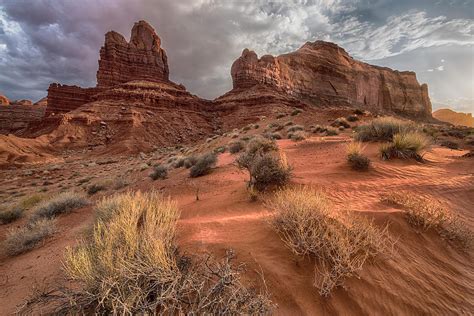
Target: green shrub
(159,172)
(60,204)
(405,146)
(220,150)
(204,165)
(383,129)
(20,240)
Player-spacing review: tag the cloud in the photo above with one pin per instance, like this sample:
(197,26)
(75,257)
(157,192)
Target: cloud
(43,41)
(440,68)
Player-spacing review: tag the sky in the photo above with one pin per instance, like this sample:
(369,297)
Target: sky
(44,41)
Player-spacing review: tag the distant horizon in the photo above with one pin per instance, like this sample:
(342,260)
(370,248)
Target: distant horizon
(44,41)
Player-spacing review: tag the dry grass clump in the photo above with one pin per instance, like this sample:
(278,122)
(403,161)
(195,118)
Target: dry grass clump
(405,146)
(352,118)
(341,122)
(190,161)
(203,165)
(130,266)
(10,213)
(159,172)
(427,213)
(96,187)
(60,204)
(356,159)
(340,243)
(331,131)
(20,240)
(383,129)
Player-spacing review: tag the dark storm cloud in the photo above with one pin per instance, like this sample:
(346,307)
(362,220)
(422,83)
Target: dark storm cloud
(43,41)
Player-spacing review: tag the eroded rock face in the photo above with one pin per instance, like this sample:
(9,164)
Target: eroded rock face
(140,59)
(63,98)
(455,118)
(322,73)
(15,118)
(4,100)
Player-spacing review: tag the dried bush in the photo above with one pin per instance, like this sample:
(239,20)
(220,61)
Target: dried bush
(179,163)
(383,129)
(60,204)
(356,159)
(257,146)
(204,165)
(220,150)
(235,147)
(20,240)
(297,136)
(296,112)
(159,172)
(449,144)
(130,265)
(295,128)
(341,122)
(352,118)
(10,213)
(340,243)
(405,146)
(331,131)
(95,187)
(358,112)
(427,213)
(190,161)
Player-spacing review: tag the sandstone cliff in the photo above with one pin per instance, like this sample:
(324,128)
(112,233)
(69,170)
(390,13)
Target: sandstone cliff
(455,118)
(323,74)
(4,100)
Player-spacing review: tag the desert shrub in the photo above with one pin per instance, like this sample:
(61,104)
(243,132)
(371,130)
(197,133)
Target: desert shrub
(220,150)
(247,128)
(352,118)
(275,136)
(95,187)
(289,123)
(61,204)
(10,213)
(341,122)
(159,172)
(235,147)
(190,161)
(179,162)
(119,182)
(31,200)
(339,243)
(295,128)
(281,115)
(130,265)
(358,112)
(296,112)
(330,131)
(383,129)
(20,240)
(257,146)
(203,165)
(317,129)
(297,136)
(356,159)
(405,146)
(449,144)
(426,213)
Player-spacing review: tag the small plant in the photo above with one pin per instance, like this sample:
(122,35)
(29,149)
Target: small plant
(341,122)
(340,243)
(330,131)
(352,118)
(405,146)
(235,147)
(383,129)
(356,159)
(60,204)
(10,213)
(20,240)
(297,136)
(220,150)
(159,172)
(427,213)
(296,112)
(204,165)
(295,128)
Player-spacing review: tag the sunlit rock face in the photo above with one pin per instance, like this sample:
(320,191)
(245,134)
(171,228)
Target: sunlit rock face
(455,118)
(323,73)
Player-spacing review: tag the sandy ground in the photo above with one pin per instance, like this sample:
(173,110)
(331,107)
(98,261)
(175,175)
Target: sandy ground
(424,275)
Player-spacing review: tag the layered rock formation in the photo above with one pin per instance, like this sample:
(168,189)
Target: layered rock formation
(322,73)
(64,98)
(455,118)
(15,118)
(140,59)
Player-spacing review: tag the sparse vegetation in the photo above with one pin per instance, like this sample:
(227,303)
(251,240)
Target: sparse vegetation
(20,240)
(159,172)
(235,147)
(383,129)
(10,213)
(295,128)
(130,265)
(358,112)
(220,150)
(330,131)
(296,112)
(352,118)
(204,165)
(449,144)
(61,204)
(341,122)
(96,187)
(356,159)
(297,136)
(190,161)
(340,243)
(427,213)
(406,145)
